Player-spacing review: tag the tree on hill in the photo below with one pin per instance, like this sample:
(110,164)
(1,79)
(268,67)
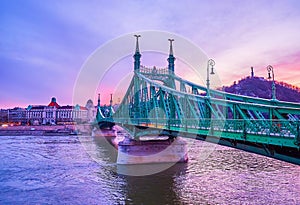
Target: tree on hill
(262,88)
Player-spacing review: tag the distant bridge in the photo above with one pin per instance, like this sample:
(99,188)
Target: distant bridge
(158,102)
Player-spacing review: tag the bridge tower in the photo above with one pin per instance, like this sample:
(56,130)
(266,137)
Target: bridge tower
(104,123)
(171,82)
(137,63)
(99,115)
(171,58)
(142,98)
(137,55)
(171,65)
(111,110)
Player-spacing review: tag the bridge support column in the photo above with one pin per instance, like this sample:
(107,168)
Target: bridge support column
(154,151)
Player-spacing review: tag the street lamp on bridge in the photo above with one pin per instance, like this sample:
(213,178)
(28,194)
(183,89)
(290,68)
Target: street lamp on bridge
(270,69)
(210,63)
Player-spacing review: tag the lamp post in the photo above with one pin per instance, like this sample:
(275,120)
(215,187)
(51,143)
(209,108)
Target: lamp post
(210,63)
(270,69)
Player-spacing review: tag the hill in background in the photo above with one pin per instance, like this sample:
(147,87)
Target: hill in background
(262,88)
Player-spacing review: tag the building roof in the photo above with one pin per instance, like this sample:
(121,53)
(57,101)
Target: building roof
(53,103)
(33,107)
(76,107)
(66,107)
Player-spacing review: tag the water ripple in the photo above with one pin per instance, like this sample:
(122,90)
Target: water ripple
(69,170)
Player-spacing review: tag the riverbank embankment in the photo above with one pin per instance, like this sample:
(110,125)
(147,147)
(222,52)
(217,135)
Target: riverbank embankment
(44,130)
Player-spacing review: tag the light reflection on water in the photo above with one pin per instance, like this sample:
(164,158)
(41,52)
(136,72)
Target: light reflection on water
(60,170)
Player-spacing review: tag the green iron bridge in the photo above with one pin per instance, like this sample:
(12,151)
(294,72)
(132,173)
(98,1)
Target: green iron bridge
(159,103)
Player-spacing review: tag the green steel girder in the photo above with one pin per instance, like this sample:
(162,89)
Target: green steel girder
(178,107)
(201,109)
(241,112)
(164,104)
(221,129)
(219,104)
(230,116)
(215,114)
(191,108)
(235,97)
(182,87)
(154,100)
(244,105)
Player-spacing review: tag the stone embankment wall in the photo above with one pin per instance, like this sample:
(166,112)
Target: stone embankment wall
(43,130)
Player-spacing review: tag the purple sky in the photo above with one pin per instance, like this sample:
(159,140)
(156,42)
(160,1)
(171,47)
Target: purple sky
(45,43)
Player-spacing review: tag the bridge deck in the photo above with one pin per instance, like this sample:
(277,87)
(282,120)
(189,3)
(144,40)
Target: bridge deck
(271,135)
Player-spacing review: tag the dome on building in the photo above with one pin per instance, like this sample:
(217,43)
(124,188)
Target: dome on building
(89,104)
(53,103)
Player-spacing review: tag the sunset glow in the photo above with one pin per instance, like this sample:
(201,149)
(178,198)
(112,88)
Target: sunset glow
(45,43)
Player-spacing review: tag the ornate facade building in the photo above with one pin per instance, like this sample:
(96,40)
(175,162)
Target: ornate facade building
(50,114)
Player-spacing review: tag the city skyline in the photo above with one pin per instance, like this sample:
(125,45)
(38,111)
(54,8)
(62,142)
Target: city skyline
(44,44)
(50,104)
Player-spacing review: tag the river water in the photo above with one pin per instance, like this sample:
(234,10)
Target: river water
(82,170)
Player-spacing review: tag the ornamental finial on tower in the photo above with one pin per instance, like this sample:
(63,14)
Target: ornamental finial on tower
(137,55)
(98,100)
(171,58)
(171,46)
(111,101)
(137,49)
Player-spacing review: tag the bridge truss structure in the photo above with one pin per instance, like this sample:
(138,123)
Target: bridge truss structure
(158,102)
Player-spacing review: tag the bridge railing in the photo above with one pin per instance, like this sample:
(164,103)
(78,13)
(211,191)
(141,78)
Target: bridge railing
(154,70)
(279,128)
